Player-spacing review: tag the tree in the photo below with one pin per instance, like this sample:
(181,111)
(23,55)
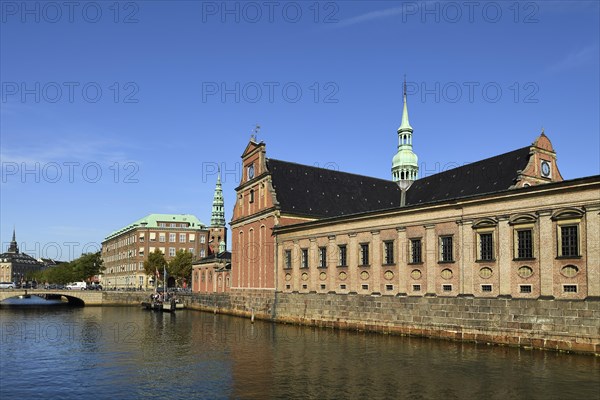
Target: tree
(83,268)
(181,266)
(155,262)
(87,266)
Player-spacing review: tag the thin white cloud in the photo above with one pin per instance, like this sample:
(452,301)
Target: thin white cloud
(76,149)
(371,16)
(575,59)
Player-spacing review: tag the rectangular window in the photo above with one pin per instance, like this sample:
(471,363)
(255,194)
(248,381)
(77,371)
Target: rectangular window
(305,286)
(486,288)
(570,288)
(191,250)
(171,251)
(389,287)
(364,286)
(288,287)
(182,238)
(388,248)
(525,288)
(524,243)
(416,288)
(304,258)
(153,236)
(288,259)
(364,254)
(447,288)
(202,253)
(343,287)
(172,237)
(322,286)
(415,251)
(202,239)
(173,225)
(162,225)
(486,246)
(161,237)
(342,255)
(569,241)
(323,257)
(446,249)
(192,237)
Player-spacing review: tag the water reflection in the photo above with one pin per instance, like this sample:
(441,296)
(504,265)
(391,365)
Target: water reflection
(128,352)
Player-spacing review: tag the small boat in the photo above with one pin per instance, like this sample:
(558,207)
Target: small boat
(168,306)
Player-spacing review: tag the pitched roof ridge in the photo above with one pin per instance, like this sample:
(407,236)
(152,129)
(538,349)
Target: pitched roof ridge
(474,163)
(331,170)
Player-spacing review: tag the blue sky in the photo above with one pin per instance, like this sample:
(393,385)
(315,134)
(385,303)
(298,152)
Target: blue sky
(110,112)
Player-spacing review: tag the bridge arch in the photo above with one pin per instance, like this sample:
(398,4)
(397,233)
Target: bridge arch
(78,298)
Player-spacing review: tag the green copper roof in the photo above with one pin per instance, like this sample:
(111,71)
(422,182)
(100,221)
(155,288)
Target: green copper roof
(405,156)
(405,164)
(152,221)
(405,125)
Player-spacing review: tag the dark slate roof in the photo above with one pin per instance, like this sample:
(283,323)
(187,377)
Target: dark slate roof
(481,177)
(320,192)
(19,258)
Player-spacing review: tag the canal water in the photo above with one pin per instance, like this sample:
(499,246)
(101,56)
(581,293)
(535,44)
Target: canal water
(130,353)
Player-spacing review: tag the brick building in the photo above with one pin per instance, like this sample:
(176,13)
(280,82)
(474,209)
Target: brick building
(212,274)
(125,250)
(506,226)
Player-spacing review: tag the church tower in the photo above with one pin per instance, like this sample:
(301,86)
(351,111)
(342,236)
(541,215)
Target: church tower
(405,164)
(13,248)
(218,231)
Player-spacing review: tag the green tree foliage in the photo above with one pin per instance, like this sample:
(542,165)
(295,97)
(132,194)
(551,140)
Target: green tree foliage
(181,266)
(155,262)
(83,268)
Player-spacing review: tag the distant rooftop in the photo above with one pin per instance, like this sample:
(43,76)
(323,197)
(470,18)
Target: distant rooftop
(152,221)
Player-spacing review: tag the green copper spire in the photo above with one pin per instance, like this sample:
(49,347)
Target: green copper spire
(405,125)
(218,215)
(405,164)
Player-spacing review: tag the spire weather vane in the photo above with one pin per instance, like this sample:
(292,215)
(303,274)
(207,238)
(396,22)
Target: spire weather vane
(254,133)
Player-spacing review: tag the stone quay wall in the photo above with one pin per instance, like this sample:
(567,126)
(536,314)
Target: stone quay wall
(563,325)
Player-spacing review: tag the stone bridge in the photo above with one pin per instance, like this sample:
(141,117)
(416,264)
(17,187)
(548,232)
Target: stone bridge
(74,297)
